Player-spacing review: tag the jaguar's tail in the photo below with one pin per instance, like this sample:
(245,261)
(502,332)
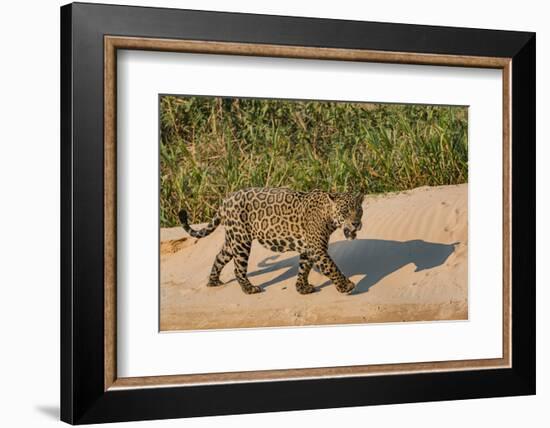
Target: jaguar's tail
(205,231)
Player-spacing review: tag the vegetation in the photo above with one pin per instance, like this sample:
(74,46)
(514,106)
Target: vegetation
(212,146)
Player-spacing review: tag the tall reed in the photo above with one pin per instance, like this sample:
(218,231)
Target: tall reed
(212,146)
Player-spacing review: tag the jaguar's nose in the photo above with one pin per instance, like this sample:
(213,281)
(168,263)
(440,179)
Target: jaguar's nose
(356,225)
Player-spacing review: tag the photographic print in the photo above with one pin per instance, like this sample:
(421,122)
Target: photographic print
(278,213)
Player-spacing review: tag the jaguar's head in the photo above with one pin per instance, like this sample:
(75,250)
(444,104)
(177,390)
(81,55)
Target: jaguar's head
(347,212)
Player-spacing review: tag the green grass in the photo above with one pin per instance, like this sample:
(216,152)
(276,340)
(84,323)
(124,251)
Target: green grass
(212,146)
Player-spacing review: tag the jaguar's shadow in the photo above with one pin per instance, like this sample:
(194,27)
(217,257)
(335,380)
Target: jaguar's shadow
(374,258)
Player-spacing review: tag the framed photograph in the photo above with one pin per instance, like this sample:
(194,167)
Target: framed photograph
(265,213)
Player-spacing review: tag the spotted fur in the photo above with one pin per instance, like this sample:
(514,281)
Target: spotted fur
(282,220)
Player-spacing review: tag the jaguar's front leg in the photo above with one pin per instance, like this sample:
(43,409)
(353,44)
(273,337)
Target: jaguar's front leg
(302,285)
(328,268)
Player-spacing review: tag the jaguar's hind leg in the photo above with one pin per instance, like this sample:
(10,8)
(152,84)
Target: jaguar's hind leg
(304,267)
(241,253)
(223,257)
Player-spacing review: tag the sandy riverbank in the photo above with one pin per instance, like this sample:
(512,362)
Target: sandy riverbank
(409,261)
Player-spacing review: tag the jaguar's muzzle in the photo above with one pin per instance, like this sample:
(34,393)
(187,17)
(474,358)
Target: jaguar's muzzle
(350,232)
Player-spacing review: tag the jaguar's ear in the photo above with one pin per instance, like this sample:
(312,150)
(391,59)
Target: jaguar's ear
(332,198)
(359,197)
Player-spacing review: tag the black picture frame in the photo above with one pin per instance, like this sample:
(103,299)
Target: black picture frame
(83,398)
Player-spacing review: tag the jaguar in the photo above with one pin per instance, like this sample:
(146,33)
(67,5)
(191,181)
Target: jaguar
(282,220)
